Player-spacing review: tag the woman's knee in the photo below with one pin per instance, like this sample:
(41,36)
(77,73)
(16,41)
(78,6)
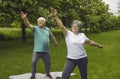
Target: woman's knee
(65,75)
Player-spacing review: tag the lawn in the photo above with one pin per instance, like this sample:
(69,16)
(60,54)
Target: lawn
(15,57)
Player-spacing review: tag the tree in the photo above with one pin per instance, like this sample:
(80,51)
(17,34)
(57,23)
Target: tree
(9,11)
(10,8)
(90,12)
(119,6)
(93,13)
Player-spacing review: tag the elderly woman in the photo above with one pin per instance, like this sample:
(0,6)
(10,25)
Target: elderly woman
(76,53)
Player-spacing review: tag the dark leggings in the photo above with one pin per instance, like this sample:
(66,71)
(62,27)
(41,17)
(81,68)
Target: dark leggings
(71,64)
(46,59)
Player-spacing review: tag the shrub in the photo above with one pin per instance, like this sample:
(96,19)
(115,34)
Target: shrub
(15,33)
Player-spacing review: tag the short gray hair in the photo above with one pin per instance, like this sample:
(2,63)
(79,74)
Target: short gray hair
(41,18)
(79,23)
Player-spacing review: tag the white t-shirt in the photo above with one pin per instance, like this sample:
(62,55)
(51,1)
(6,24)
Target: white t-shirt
(75,46)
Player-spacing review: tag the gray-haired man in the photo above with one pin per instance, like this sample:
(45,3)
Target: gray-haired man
(41,44)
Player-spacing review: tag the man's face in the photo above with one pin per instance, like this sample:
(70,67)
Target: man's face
(41,22)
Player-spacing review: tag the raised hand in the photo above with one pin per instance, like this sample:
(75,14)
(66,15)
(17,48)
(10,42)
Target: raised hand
(23,15)
(53,12)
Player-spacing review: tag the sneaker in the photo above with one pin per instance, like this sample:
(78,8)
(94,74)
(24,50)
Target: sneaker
(49,76)
(32,77)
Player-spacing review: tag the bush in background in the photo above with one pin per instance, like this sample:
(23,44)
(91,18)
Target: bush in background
(16,34)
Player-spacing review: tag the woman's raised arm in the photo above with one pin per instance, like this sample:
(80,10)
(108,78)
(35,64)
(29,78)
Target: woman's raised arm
(58,20)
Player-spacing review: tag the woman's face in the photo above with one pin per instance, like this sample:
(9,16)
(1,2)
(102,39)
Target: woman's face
(75,28)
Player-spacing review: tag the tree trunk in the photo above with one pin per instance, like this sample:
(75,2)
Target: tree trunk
(23,32)
(85,28)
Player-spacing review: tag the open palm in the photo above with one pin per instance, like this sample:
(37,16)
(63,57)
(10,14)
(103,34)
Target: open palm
(23,15)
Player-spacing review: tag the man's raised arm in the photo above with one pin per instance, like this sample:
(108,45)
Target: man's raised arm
(27,23)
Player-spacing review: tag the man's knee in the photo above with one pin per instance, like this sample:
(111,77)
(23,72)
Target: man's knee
(34,62)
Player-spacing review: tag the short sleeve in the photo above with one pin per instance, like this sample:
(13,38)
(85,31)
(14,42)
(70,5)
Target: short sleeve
(34,29)
(86,38)
(68,33)
(50,33)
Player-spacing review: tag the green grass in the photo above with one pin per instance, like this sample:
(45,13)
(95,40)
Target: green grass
(15,57)
(13,33)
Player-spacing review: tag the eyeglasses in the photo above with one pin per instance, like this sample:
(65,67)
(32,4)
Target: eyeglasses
(74,26)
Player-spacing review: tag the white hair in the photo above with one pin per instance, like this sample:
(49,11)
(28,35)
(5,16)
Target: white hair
(41,18)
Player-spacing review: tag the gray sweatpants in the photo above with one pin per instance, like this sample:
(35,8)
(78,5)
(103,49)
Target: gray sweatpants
(71,64)
(46,59)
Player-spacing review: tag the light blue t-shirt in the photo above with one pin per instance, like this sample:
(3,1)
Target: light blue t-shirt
(41,39)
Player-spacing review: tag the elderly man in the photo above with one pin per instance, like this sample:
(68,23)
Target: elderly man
(41,44)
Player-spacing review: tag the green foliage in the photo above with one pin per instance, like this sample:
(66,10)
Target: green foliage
(10,9)
(15,33)
(45,13)
(15,24)
(93,13)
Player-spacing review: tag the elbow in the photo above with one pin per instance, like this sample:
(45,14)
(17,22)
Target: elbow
(90,44)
